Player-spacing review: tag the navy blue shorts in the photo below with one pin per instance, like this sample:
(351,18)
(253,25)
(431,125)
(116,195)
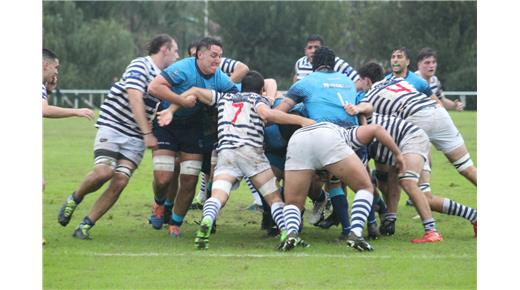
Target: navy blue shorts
(180,136)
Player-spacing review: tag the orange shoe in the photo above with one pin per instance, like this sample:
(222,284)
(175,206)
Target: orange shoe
(429,237)
(174,231)
(475,229)
(157,217)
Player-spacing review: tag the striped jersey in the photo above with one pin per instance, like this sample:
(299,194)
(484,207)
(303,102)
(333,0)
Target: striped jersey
(303,67)
(398,128)
(435,86)
(416,81)
(238,122)
(396,97)
(115,110)
(44,92)
(227,65)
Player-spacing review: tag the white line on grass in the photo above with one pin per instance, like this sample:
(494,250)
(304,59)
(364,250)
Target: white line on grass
(276,255)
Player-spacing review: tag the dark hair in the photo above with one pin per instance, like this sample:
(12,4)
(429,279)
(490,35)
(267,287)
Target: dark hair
(405,51)
(315,37)
(206,42)
(323,56)
(48,54)
(371,70)
(157,42)
(193,44)
(426,52)
(253,81)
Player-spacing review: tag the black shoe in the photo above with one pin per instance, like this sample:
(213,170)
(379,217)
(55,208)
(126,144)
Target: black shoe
(358,243)
(331,220)
(373,231)
(409,202)
(387,228)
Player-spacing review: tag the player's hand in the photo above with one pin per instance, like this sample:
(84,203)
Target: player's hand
(164,117)
(459,106)
(307,122)
(351,109)
(399,163)
(189,101)
(150,141)
(85,113)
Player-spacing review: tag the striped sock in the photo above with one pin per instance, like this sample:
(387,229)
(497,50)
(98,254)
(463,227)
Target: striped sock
(360,210)
(292,217)
(390,216)
(254,192)
(454,208)
(429,225)
(202,189)
(277,214)
(211,208)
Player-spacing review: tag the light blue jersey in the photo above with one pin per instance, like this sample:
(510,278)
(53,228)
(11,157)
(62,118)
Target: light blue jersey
(323,94)
(416,81)
(185,74)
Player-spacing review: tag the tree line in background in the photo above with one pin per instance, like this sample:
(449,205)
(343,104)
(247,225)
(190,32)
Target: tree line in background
(96,40)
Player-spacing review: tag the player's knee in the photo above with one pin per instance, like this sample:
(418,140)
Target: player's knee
(103,173)
(121,178)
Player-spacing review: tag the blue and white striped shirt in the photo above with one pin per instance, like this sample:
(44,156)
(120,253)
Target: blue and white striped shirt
(238,122)
(115,110)
(396,97)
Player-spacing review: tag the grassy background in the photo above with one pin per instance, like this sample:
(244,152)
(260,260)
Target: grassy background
(126,253)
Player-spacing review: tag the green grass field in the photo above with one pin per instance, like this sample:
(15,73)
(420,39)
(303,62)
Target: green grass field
(126,253)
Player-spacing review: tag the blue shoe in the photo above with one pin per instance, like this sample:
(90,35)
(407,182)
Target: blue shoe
(157,217)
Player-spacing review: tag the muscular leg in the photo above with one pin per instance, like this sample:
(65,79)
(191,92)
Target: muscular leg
(94,180)
(296,188)
(163,173)
(188,183)
(353,173)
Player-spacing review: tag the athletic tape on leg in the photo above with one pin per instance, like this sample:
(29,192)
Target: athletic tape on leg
(106,160)
(191,167)
(408,174)
(124,170)
(463,163)
(163,163)
(223,185)
(268,187)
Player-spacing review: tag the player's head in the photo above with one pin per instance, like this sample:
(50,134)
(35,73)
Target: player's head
(324,57)
(50,63)
(314,41)
(400,60)
(253,82)
(369,74)
(209,52)
(166,47)
(192,48)
(427,62)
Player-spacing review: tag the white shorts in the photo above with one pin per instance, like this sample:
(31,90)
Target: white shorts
(316,148)
(123,146)
(416,143)
(439,127)
(243,161)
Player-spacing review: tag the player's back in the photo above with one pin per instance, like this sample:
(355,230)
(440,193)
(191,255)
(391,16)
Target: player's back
(324,94)
(397,97)
(238,122)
